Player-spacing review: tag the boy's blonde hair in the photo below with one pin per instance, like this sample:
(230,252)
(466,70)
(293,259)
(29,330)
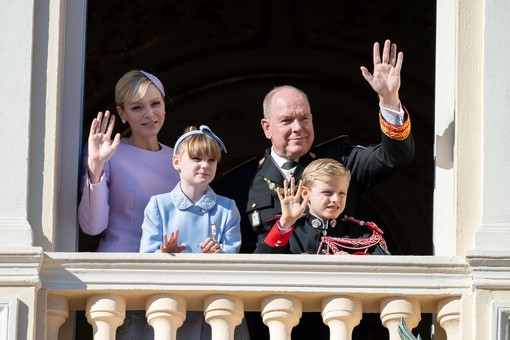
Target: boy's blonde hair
(323,169)
(199,145)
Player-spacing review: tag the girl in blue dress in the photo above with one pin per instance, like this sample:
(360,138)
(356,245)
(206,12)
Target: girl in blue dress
(192,217)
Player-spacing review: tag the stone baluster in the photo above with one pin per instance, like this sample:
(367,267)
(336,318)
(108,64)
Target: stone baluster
(280,314)
(105,312)
(223,313)
(341,314)
(448,316)
(395,308)
(56,314)
(165,313)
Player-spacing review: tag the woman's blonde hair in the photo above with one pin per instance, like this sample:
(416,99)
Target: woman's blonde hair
(323,169)
(199,145)
(131,87)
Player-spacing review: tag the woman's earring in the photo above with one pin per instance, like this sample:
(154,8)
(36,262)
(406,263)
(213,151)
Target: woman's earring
(123,121)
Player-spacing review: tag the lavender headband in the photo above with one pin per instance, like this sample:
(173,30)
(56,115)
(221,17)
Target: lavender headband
(203,130)
(155,81)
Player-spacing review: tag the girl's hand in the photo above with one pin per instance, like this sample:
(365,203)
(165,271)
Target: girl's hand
(290,199)
(100,145)
(169,244)
(210,245)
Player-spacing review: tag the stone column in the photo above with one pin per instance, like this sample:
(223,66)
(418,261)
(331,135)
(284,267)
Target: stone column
(57,311)
(105,313)
(165,313)
(395,308)
(448,316)
(223,313)
(16,137)
(494,161)
(341,314)
(280,313)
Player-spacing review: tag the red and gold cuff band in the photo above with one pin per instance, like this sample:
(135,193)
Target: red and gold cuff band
(394,131)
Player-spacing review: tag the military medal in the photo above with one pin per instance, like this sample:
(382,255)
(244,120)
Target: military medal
(213,231)
(271,185)
(255,218)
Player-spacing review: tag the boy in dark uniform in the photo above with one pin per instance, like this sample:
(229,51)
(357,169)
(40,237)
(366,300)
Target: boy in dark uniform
(322,193)
(323,189)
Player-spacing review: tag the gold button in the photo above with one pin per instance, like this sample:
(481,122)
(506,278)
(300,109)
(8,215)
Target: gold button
(253,205)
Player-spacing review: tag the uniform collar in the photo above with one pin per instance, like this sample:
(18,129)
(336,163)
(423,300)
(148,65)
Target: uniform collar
(182,202)
(270,170)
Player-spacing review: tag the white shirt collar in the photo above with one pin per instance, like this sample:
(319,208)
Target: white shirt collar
(182,202)
(278,160)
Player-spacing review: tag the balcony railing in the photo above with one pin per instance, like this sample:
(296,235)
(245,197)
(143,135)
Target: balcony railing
(223,286)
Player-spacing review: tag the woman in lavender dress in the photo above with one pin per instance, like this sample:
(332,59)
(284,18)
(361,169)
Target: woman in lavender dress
(121,174)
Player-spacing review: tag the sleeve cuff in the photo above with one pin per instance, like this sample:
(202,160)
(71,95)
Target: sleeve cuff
(394,131)
(395,117)
(94,186)
(276,238)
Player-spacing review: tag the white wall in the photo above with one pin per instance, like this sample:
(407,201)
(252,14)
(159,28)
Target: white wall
(494,233)
(16,43)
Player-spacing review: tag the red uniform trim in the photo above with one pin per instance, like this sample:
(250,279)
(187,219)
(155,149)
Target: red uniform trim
(394,131)
(275,238)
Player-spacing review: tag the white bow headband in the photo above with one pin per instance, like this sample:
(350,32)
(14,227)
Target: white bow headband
(203,130)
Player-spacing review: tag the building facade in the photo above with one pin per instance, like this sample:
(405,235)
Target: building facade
(465,285)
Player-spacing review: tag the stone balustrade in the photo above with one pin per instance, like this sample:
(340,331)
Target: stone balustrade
(223,286)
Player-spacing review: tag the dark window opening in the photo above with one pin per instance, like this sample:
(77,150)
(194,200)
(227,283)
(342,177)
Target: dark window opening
(217,59)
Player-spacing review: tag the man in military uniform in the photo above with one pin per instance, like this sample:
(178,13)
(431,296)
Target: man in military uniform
(287,122)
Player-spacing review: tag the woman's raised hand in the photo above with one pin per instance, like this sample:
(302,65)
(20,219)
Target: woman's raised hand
(101,147)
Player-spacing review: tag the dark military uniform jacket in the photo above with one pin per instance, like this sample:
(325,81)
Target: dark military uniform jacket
(306,235)
(252,185)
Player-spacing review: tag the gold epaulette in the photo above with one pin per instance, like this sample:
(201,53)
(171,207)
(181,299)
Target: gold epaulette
(394,131)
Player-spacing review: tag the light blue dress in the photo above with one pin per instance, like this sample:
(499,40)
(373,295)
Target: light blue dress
(213,215)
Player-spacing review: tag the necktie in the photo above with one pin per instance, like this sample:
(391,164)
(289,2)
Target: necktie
(287,168)
(289,165)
